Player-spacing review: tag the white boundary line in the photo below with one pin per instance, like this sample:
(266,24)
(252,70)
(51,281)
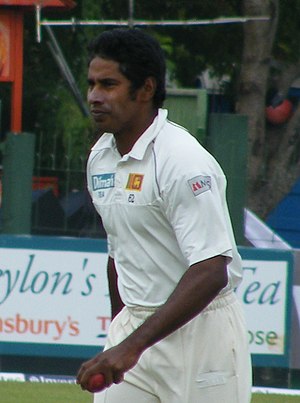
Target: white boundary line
(36,378)
(275,391)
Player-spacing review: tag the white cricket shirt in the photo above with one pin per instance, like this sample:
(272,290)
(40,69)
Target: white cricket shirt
(163,207)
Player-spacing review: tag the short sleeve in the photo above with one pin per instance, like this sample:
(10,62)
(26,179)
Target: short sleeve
(193,190)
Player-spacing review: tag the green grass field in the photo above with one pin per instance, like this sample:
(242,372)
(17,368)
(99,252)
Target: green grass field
(29,392)
(274,399)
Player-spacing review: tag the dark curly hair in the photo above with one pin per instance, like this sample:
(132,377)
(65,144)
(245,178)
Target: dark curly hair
(139,56)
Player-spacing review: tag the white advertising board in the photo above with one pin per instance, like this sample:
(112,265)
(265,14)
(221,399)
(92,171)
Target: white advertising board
(265,293)
(53,296)
(55,293)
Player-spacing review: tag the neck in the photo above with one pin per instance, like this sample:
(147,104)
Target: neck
(126,140)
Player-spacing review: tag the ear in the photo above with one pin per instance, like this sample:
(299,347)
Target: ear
(147,91)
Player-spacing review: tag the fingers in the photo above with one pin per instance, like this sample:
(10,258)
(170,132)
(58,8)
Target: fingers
(97,366)
(86,370)
(83,376)
(118,377)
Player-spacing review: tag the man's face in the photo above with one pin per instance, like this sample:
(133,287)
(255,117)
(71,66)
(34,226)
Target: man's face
(113,107)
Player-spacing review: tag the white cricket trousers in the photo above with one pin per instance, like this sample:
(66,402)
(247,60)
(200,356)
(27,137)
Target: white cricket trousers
(205,361)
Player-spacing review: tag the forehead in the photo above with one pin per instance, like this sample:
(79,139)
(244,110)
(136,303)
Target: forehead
(104,68)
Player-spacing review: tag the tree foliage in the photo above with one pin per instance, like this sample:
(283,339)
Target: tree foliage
(270,62)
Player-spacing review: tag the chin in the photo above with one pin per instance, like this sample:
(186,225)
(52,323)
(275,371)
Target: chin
(98,130)
(100,126)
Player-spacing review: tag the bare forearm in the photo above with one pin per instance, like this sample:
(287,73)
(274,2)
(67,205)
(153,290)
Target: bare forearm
(115,299)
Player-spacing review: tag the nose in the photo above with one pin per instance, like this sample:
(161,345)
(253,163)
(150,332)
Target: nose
(95,95)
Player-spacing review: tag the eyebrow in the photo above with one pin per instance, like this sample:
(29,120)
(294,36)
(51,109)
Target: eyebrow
(106,80)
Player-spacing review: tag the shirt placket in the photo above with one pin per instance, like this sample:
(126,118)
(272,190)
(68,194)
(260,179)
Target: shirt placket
(119,191)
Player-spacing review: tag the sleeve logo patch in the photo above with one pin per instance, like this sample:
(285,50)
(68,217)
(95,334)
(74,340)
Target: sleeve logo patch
(135,182)
(200,184)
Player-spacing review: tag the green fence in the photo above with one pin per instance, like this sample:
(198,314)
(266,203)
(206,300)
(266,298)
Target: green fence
(227,141)
(188,108)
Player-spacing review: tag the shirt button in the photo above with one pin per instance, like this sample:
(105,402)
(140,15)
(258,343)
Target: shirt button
(118,196)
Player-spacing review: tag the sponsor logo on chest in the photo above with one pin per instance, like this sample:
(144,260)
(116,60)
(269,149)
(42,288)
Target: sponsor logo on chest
(103,181)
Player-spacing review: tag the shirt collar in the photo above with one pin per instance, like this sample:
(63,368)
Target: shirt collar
(106,140)
(138,150)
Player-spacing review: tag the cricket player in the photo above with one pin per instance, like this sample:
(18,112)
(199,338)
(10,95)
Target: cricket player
(178,331)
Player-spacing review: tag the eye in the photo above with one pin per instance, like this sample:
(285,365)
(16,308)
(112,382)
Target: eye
(90,84)
(108,83)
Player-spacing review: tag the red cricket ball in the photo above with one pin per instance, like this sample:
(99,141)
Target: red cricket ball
(96,383)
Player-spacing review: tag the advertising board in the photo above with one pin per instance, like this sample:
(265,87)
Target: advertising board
(54,298)
(266,294)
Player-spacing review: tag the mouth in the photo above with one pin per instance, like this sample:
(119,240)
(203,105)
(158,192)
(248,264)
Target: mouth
(98,114)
